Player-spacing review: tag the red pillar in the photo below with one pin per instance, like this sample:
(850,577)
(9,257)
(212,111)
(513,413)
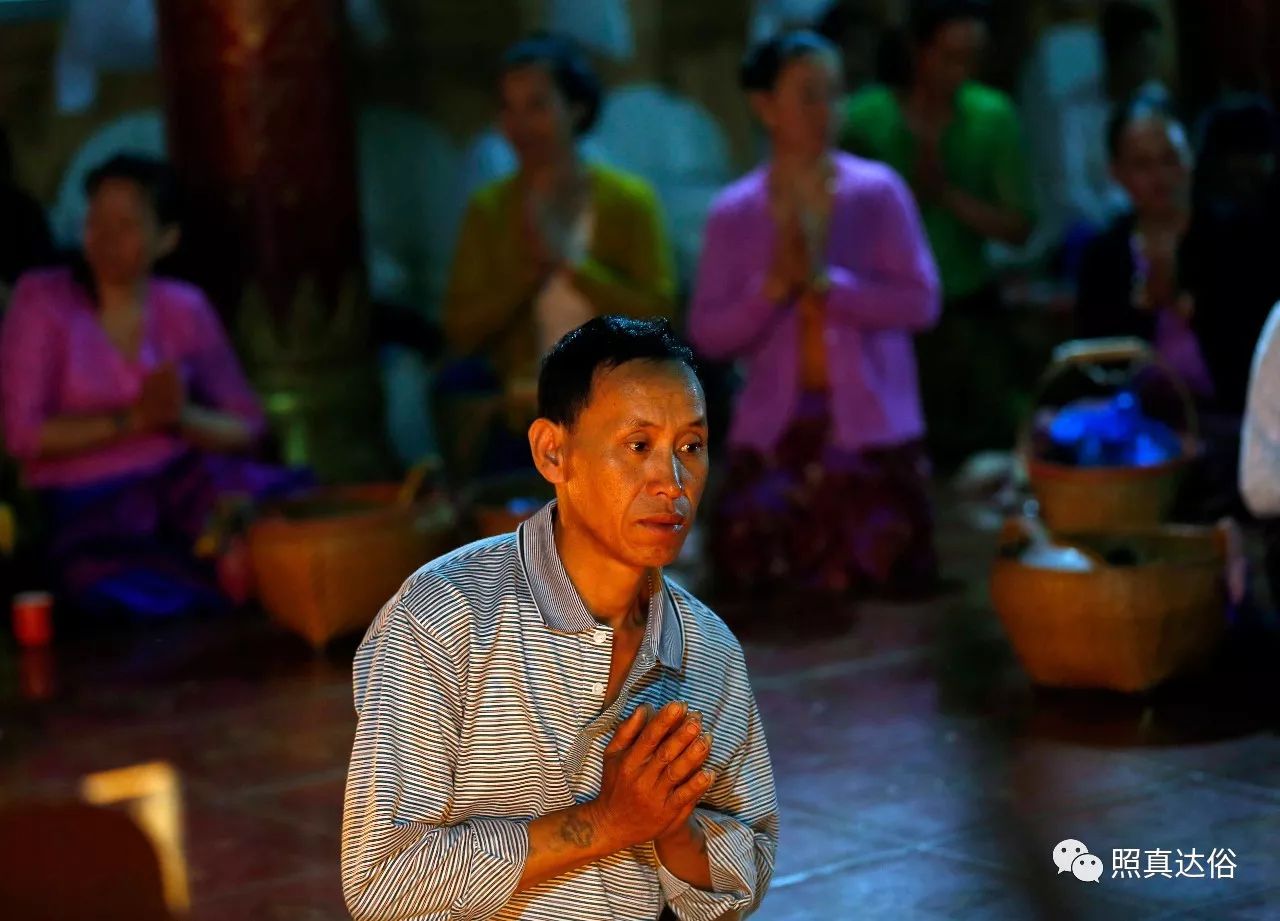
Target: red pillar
(261,132)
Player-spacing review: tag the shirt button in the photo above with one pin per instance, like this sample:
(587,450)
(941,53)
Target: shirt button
(599,637)
(597,688)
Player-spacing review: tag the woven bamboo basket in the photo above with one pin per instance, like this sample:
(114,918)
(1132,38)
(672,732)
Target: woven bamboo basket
(1078,499)
(1120,627)
(326,564)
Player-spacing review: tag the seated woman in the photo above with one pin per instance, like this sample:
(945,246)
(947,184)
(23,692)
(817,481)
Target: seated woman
(1190,276)
(547,248)
(125,406)
(816,272)
(1129,282)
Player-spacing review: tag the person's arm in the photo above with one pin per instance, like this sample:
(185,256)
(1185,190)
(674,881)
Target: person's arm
(646,286)
(1005,214)
(481,303)
(721,864)
(732,309)
(652,774)
(1104,290)
(31,346)
(903,290)
(225,414)
(1260,443)
(67,435)
(993,221)
(400,860)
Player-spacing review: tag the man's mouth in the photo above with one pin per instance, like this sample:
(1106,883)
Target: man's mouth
(668,523)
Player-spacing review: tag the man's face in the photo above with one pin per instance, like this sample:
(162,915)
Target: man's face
(635,462)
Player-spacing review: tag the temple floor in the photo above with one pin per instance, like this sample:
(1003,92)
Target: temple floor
(919,773)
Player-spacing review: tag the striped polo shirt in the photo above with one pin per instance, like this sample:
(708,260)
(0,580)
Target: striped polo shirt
(480,689)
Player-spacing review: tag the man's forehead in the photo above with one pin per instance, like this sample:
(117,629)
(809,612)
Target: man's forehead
(645,390)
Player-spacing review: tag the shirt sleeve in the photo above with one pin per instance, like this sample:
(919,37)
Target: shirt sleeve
(739,819)
(401,861)
(856,119)
(729,314)
(30,362)
(645,286)
(902,289)
(481,302)
(1260,448)
(217,378)
(1009,171)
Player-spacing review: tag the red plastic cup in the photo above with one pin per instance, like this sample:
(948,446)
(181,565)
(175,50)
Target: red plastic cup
(33,619)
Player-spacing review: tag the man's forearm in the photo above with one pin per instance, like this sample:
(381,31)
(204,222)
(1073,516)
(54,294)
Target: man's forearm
(564,840)
(684,854)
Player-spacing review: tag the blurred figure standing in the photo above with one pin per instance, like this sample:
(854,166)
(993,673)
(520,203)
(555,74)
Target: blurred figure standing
(816,273)
(958,143)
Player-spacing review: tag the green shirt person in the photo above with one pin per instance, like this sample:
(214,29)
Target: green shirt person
(958,144)
(970,177)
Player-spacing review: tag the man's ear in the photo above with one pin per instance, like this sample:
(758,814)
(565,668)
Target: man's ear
(547,444)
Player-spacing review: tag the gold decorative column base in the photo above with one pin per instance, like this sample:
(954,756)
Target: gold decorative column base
(319,381)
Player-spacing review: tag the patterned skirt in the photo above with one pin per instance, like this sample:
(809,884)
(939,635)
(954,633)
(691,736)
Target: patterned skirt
(126,546)
(812,517)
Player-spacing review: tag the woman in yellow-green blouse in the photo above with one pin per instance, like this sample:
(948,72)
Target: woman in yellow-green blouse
(557,243)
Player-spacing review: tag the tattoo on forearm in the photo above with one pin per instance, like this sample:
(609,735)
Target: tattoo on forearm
(577,831)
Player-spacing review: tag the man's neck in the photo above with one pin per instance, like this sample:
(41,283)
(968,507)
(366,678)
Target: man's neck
(613,593)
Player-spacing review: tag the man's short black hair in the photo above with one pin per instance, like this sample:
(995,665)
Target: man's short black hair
(570,368)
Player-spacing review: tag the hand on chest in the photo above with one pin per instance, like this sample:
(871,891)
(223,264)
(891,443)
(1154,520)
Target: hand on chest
(97,373)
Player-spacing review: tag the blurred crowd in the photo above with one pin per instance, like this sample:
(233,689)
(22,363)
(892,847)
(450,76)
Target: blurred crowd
(850,305)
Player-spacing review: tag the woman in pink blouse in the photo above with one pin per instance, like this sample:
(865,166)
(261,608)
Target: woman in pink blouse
(815,273)
(125,405)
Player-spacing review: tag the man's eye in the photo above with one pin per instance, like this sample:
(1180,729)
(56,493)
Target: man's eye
(638,447)
(694,447)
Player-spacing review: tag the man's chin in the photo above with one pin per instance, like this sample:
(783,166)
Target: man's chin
(659,555)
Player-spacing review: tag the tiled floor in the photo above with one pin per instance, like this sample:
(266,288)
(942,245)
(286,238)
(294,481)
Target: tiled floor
(919,775)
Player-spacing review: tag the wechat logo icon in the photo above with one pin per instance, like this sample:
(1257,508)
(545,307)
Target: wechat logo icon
(1072,856)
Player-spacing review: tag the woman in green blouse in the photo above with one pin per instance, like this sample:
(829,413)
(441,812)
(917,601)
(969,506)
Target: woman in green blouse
(958,143)
(541,252)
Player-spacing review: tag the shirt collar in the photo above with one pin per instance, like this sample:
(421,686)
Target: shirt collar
(561,606)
